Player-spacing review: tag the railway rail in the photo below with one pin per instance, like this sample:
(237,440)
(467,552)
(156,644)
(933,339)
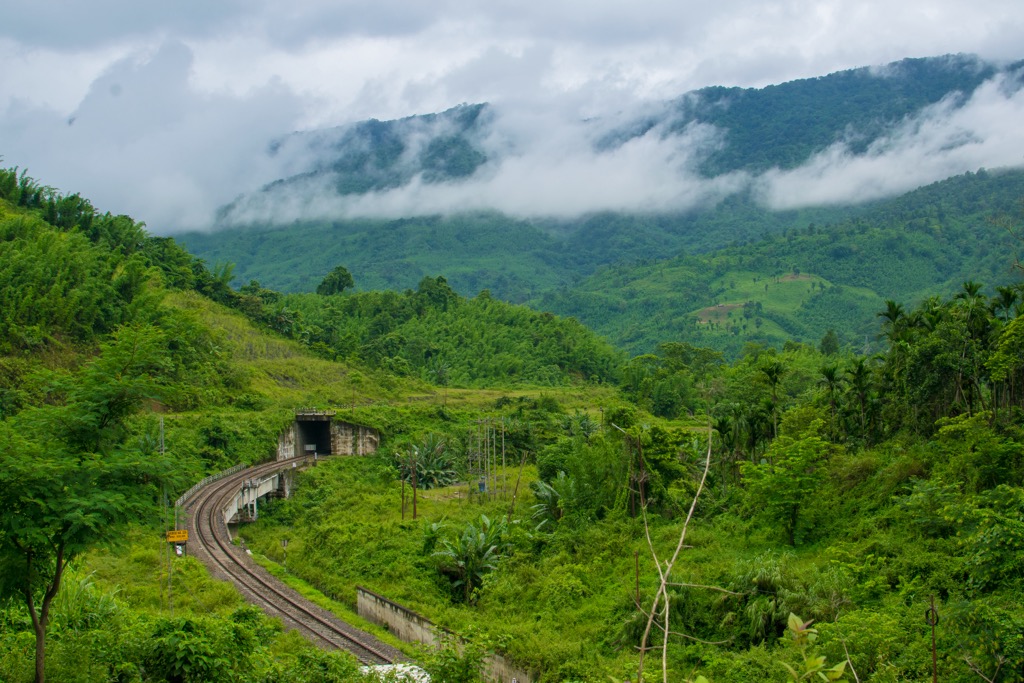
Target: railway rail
(210,541)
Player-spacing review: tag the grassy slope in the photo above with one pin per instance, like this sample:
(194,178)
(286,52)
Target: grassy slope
(275,376)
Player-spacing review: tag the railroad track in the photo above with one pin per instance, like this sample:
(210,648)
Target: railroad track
(210,541)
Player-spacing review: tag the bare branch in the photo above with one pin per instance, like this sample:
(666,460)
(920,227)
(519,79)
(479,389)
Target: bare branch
(975,669)
(710,588)
(848,660)
(662,592)
(699,640)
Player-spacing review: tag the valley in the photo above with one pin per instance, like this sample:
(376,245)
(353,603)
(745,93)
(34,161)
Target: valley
(732,443)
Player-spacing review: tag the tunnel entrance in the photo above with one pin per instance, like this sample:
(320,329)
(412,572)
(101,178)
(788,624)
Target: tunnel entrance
(316,431)
(314,436)
(313,432)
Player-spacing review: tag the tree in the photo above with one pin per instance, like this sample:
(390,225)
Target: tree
(1005,300)
(894,322)
(467,558)
(336,282)
(782,487)
(66,477)
(831,381)
(859,381)
(829,343)
(773,372)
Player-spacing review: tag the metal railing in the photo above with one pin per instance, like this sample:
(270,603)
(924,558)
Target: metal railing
(213,477)
(296,462)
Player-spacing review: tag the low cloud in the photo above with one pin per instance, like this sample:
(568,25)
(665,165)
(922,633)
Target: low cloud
(546,164)
(543,166)
(946,139)
(152,139)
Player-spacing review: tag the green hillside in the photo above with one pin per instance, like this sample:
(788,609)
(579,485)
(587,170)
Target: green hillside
(612,271)
(811,278)
(516,260)
(789,512)
(112,341)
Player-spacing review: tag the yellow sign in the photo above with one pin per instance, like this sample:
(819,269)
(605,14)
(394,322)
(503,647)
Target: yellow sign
(177,536)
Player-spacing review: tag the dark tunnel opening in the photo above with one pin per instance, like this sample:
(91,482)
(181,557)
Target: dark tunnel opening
(313,433)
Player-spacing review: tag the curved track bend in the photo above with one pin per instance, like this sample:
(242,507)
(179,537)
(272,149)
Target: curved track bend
(210,541)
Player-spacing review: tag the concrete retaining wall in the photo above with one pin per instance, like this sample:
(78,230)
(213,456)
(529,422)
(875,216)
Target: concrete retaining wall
(412,627)
(350,439)
(286,443)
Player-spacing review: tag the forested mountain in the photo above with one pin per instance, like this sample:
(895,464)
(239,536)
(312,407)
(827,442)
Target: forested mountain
(378,155)
(704,268)
(833,266)
(779,126)
(811,277)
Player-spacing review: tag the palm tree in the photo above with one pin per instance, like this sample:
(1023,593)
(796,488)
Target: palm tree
(860,384)
(548,508)
(773,372)
(469,557)
(971,290)
(1005,300)
(894,320)
(434,462)
(757,422)
(831,380)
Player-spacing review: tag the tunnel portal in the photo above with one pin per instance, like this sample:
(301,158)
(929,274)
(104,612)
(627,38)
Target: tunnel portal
(318,432)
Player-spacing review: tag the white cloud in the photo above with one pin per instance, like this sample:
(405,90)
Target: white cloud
(545,166)
(204,87)
(946,139)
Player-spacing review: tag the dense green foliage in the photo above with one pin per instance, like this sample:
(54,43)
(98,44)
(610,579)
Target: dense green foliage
(95,329)
(336,282)
(443,338)
(512,258)
(847,489)
(832,494)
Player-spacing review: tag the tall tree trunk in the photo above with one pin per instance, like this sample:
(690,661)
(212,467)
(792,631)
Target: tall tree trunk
(41,619)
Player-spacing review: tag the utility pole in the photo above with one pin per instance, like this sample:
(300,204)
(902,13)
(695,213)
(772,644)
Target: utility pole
(170,553)
(414,454)
(166,545)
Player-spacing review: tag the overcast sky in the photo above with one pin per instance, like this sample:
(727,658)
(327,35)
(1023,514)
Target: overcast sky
(164,110)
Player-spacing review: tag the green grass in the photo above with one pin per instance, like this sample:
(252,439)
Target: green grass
(557,600)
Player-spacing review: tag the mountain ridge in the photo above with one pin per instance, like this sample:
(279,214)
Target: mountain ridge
(716,131)
(859,118)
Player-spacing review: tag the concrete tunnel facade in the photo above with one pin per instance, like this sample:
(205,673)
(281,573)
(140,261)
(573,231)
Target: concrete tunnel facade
(317,431)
